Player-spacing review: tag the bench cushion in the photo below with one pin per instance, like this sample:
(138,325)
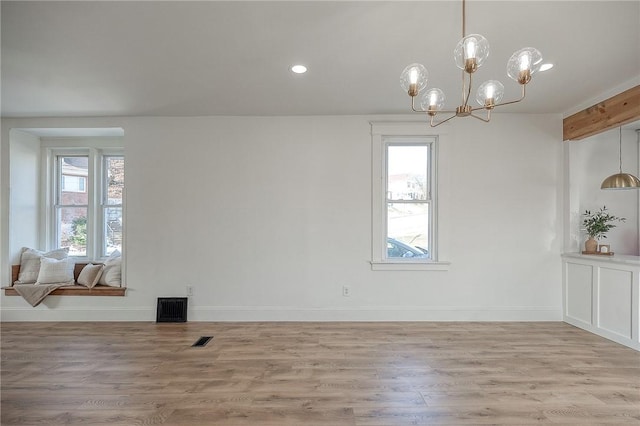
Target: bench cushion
(90,275)
(112,272)
(53,271)
(30,263)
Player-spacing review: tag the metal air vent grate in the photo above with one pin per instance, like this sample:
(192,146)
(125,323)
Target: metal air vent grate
(202,341)
(171,309)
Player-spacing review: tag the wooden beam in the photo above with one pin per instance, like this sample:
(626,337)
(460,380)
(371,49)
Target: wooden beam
(618,110)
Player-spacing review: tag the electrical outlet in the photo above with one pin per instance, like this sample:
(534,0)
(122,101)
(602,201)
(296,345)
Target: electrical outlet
(189,290)
(346,290)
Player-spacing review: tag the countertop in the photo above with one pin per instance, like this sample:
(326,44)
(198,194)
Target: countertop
(616,258)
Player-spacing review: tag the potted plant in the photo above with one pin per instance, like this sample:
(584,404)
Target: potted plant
(597,224)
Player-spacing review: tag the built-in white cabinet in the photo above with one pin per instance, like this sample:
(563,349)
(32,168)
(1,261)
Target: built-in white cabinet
(602,295)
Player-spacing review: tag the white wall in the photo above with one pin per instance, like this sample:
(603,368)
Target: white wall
(25,192)
(591,161)
(268,217)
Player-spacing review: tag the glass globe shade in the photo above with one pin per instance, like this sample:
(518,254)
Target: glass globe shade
(490,93)
(471,52)
(432,100)
(414,78)
(523,64)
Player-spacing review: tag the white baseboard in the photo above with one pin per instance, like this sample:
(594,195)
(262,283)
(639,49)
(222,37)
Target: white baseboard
(74,314)
(279,313)
(602,332)
(275,313)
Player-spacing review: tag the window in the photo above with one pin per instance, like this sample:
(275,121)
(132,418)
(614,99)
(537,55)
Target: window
(87,201)
(404,197)
(408,213)
(71,208)
(112,189)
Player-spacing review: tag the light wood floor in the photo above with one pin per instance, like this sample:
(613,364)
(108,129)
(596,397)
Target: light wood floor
(315,374)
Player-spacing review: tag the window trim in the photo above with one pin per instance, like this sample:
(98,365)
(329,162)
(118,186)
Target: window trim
(381,135)
(97,151)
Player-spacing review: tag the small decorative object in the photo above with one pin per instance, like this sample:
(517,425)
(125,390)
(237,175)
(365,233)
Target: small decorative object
(591,245)
(605,248)
(597,224)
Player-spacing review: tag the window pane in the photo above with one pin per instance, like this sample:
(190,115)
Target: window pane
(73,173)
(113,230)
(115,180)
(72,230)
(74,183)
(407,172)
(408,230)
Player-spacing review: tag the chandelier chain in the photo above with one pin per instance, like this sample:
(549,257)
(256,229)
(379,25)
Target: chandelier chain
(464,19)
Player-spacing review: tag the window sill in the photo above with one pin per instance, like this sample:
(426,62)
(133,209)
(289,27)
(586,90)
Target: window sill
(410,266)
(99,290)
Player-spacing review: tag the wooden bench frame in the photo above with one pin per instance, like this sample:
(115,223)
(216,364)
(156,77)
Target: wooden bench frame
(76,290)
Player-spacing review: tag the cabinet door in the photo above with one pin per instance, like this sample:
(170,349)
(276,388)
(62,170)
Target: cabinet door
(615,301)
(579,292)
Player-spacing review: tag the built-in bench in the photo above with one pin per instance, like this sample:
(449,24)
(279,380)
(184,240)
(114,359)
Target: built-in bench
(72,290)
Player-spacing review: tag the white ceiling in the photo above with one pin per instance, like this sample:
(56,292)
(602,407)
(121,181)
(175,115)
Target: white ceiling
(231,58)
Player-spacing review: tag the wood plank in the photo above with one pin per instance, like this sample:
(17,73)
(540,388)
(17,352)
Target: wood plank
(315,373)
(613,112)
(98,290)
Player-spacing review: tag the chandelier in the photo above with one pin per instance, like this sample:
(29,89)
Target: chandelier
(469,55)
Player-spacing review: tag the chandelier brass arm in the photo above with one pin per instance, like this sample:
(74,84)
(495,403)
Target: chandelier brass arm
(465,110)
(524,93)
(469,55)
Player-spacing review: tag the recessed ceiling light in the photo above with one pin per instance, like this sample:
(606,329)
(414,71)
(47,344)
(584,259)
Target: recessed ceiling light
(546,67)
(299,69)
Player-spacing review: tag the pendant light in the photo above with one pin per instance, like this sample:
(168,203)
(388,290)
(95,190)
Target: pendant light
(621,180)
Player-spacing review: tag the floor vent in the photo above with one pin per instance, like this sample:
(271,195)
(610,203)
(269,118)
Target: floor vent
(172,309)
(203,341)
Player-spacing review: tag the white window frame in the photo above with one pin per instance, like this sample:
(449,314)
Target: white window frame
(383,135)
(55,186)
(103,196)
(96,180)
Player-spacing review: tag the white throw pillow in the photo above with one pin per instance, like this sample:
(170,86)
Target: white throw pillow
(53,271)
(30,263)
(90,275)
(112,272)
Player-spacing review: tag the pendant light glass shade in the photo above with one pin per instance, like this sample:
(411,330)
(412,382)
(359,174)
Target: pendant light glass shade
(414,78)
(490,93)
(621,180)
(432,100)
(523,64)
(470,52)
